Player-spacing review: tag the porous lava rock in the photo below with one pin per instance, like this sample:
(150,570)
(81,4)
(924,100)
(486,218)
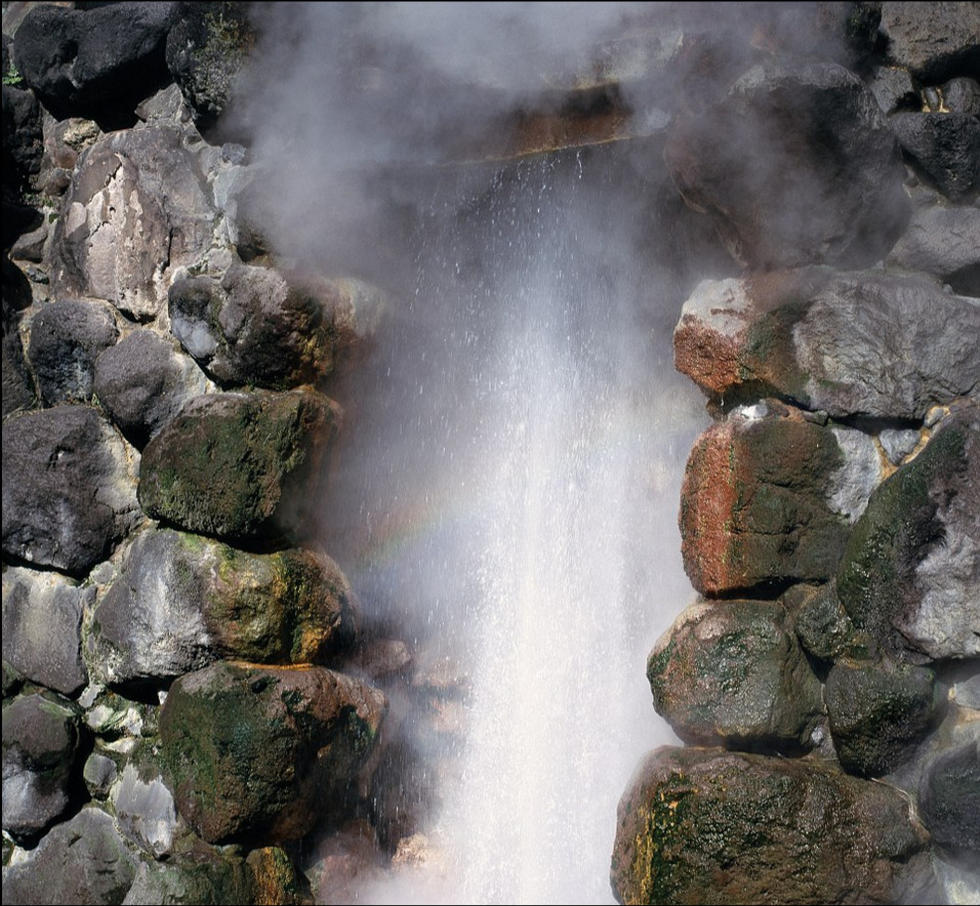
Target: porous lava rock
(935,41)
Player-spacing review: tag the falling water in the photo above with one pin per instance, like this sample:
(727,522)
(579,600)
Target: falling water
(518,453)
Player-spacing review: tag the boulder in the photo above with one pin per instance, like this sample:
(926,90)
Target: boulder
(879,714)
(894,90)
(99,774)
(83,861)
(767,499)
(66,339)
(182,601)
(935,41)
(852,344)
(144,810)
(22,139)
(732,673)
(796,166)
(240,465)
(949,797)
(911,568)
(944,147)
(42,628)
(143,382)
(68,488)
(138,209)
(822,625)
(711,826)
(98,62)
(962,95)
(18,385)
(249,748)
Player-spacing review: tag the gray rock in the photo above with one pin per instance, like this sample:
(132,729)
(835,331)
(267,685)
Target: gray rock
(99,774)
(898,443)
(949,797)
(878,714)
(40,744)
(206,874)
(796,166)
(944,147)
(732,673)
(893,89)
(944,242)
(42,624)
(958,880)
(935,41)
(137,210)
(962,95)
(66,339)
(82,861)
(144,382)
(867,343)
(145,812)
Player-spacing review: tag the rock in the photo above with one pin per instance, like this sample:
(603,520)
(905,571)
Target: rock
(66,339)
(82,861)
(99,774)
(710,826)
(144,809)
(182,601)
(97,63)
(944,147)
(30,246)
(822,625)
(205,874)
(137,210)
(112,717)
(911,568)
(42,626)
(143,382)
(240,464)
(731,673)
(68,488)
(893,89)
(40,746)
(343,862)
(252,328)
(879,714)
(898,443)
(958,880)
(962,95)
(754,506)
(18,385)
(276,879)
(851,344)
(22,139)
(250,747)
(796,166)
(949,797)
(936,41)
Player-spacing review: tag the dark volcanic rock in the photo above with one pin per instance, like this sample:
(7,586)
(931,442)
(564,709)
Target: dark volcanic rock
(878,714)
(934,40)
(710,826)
(822,625)
(143,382)
(22,142)
(866,343)
(239,464)
(251,747)
(732,673)
(796,166)
(95,63)
(18,386)
(66,339)
(945,148)
(68,488)
(944,242)
(949,797)
(40,744)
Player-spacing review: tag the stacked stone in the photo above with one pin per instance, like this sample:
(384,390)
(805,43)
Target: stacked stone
(826,678)
(171,721)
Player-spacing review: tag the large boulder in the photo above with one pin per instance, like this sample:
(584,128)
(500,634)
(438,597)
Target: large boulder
(944,147)
(935,40)
(732,673)
(182,601)
(143,382)
(68,488)
(97,63)
(249,748)
(239,465)
(711,826)
(42,628)
(867,343)
(796,166)
(138,208)
(911,569)
(767,499)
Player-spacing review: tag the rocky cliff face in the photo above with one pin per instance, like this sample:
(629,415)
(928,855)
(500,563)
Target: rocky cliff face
(189,693)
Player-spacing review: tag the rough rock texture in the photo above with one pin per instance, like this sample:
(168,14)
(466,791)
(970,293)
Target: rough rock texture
(42,624)
(949,797)
(143,382)
(796,166)
(252,328)
(138,208)
(99,773)
(66,339)
(732,673)
(181,601)
(962,95)
(911,569)
(250,747)
(710,826)
(96,63)
(866,343)
(144,809)
(754,507)
(238,465)
(935,41)
(68,488)
(878,714)
(822,625)
(944,147)
(82,861)
(40,744)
